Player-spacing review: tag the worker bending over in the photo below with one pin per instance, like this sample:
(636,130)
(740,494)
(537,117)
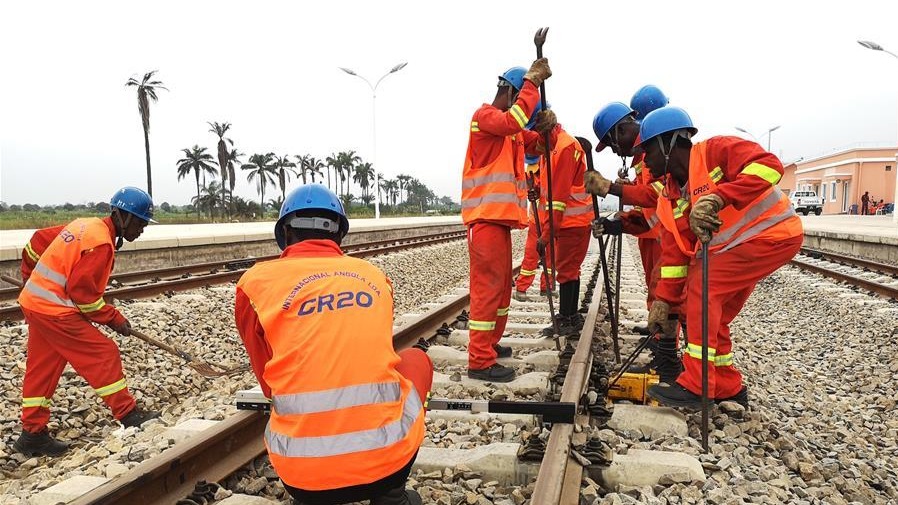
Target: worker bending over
(347,414)
(720,192)
(63,295)
(494,200)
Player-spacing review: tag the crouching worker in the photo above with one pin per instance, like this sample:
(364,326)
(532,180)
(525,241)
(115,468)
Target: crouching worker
(65,271)
(347,413)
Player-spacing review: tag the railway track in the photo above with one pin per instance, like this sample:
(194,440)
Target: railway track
(216,453)
(868,275)
(147,283)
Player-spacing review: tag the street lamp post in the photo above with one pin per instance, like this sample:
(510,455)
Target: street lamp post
(393,70)
(768,133)
(876,47)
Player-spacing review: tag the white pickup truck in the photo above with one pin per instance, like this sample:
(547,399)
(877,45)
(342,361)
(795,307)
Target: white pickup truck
(806,202)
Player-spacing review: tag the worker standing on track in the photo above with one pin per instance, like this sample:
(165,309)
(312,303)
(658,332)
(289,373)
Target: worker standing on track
(721,191)
(494,201)
(347,414)
(572,212)
(63,295)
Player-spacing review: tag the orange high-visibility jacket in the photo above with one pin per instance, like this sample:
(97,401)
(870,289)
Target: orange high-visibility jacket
(644,178)
(769,216)
(35,247)
(498,190)
(570,201)
(341,413)
(45,292)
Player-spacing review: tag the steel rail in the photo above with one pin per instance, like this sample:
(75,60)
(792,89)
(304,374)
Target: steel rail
(215,453)
(875,287)
(850,261)
(363,250)
(559,477)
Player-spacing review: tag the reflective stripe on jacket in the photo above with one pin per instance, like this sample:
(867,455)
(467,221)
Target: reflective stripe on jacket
(498,191)
(769,216)
(341,413)
(45,292)
(576,209)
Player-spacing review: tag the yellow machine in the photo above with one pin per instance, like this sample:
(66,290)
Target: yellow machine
(633,386)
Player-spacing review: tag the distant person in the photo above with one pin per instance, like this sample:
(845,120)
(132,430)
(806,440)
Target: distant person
(865,202)
(347,414)
(63,295)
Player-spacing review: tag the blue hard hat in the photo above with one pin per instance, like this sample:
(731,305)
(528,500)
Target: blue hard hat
(647,99)
(309,196)
(664,120)
(531,160)
(514,76)
(608,116)
(134,201)
(539,107)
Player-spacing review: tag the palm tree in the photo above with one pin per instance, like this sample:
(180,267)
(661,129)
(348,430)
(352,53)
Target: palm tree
(315,166)
(221,129)
(262,171)
(403,183)
(233,160)
(302,161)
(146,91)
(348,161)
(363,175)
(281,164)
(389,187)
(333,162)
(197,159)
(210,198)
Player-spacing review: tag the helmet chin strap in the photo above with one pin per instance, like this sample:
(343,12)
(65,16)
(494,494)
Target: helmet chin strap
(669,150)
(122,224)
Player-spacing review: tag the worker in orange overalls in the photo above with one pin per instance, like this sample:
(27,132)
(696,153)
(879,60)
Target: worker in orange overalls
(721,192)
(530,262)
(494,201)
(63,295)
(572,213)
(347,414)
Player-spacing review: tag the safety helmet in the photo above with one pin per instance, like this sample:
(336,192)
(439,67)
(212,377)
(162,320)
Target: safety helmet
(664,120)
(514,77)
(539,107)
(647,99)
(310,196)
(608,116)
(530,160)
(133,201)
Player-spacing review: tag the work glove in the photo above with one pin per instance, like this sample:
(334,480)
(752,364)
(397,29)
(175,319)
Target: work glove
(659,319)
(595,183)
(607,226)
(533,193)
(703,220)
(623,181)
(541,247)
(121,326)
(539,72)
(545,122)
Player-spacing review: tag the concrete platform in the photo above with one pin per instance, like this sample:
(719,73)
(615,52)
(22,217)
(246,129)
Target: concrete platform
(870,237)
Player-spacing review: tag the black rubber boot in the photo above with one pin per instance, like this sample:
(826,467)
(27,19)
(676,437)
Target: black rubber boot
(495,373)
(741,397)
(398,496)
(502,351)
(666,361)
(39,444)
(137,417)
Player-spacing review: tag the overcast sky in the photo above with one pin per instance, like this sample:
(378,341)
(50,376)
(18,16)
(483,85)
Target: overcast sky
(70,130)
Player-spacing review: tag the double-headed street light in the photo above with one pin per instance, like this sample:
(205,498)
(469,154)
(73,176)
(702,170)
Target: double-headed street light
(393,70)
(757,139)
(876,47)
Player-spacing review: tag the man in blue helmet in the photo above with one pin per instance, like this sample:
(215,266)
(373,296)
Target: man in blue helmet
(61,298)
(347,409)
(494,201)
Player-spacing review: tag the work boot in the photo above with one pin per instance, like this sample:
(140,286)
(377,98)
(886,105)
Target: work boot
(741,398)
(39,444)
(398,496)
(675,395)
(502,351)
(666,360)
(494,373)
(137,417)
(520,296)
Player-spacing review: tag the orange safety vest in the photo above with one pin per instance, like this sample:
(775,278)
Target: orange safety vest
(45,291)
(532,173)
(644,176)
(769,216)
(341,414)
(577,209)
(497,191)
